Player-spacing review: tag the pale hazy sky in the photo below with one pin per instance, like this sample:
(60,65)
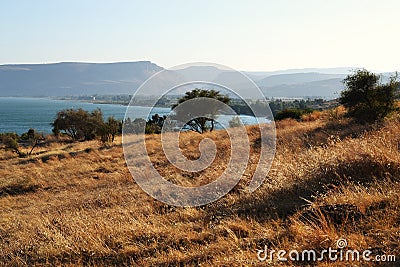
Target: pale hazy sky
(246,35)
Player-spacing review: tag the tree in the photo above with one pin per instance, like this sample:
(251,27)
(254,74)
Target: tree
(136,126)
(200,118)
(155,124)
(115,127)
(109,129)
(366,98)
(78,123)
(93,121)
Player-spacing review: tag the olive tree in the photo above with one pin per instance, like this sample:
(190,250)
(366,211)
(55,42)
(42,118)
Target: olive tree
(200,118)
(366,97)
(109,129)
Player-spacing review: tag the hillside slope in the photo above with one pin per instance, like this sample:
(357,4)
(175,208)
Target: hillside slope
(77,205)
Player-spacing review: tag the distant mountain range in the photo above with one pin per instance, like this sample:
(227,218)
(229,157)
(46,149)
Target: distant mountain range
(69,78)
(61,79)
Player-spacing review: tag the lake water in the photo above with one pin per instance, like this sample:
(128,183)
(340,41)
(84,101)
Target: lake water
(19,114)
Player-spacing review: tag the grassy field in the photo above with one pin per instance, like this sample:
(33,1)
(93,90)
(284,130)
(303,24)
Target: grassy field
(76,204)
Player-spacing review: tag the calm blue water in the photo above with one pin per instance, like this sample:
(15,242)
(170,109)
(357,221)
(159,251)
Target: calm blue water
(19,114)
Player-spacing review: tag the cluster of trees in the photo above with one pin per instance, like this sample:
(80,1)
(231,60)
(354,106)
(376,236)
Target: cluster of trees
(198,116)
(153,126)
(80,124)
(276,106)
(293,109)
(280,109)
(279,105)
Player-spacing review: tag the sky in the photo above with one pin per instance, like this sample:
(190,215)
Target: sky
(244,35)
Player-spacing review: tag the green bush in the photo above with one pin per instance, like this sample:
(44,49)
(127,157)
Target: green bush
(366,98)
(291,113)
(10,142)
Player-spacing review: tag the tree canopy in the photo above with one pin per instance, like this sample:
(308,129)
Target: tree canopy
(200,116)
(80,124)
(366,97)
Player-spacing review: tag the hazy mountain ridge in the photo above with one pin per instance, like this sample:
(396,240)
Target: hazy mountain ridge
(297,78)
(60,79)
(74,78)
(329,88)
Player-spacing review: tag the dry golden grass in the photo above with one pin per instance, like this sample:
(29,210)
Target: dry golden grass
(313,116)
(76,204)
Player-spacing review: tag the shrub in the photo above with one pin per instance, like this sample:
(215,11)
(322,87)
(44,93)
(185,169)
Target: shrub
(366,98)
(10,142)
(292,114)
(235,122)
